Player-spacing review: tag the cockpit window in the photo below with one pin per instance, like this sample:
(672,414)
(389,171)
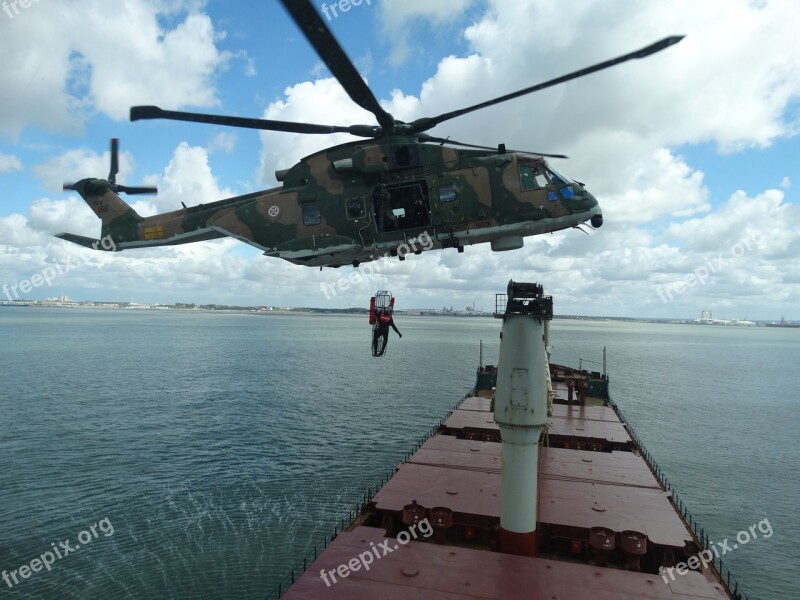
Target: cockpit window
(557,178)
(531,178)
(566,185)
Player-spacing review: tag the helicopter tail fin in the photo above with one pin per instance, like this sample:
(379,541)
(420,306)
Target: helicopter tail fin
(106,243)
(105,203)
(120,221)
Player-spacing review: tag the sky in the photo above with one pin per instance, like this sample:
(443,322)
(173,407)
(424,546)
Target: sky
(693,154)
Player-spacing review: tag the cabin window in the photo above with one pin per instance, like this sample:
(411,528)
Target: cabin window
(448,193)
(355,208)
(531,178)
(406,155)
(311,215)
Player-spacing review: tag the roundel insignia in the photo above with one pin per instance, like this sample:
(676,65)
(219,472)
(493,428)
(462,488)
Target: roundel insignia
(274,211)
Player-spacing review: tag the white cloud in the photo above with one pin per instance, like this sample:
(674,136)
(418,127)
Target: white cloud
(77,164)
(65,61)
(9,163)
(400,18)
(187,178)
(56,216)
(659,185)
(15,234)
(324,102)
(765,217)
(30,242)
(729,83)
(224,141)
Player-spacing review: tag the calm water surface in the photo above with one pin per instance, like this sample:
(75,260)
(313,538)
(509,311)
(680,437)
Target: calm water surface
(211,452)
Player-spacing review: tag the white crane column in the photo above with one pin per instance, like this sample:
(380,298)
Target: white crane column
(520,410)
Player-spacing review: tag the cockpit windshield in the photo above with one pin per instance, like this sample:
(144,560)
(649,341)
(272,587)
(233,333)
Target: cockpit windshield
(557,178)
(537,176)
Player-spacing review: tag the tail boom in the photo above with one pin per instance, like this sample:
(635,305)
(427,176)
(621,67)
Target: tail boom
(123,227)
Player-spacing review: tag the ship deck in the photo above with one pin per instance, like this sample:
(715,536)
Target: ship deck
(592,475)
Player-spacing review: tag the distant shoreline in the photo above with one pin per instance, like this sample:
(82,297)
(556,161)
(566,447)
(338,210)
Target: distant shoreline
(307,311)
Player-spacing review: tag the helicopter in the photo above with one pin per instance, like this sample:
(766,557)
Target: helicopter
(395,191)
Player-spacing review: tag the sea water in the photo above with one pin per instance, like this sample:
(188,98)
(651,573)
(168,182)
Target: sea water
(181,454)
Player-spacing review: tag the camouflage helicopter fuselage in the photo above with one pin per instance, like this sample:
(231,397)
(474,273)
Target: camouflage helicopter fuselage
(362,200)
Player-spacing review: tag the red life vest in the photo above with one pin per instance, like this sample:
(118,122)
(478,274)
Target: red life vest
(384,313)
(372,314)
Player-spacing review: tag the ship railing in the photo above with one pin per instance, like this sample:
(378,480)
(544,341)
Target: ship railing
(500,302)
(287,581)
(725,575)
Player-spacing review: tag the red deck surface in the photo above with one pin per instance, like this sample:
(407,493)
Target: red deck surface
(573,426)
(580,494)
(475,403)
(578,489)
(595,413)
(580,428)
(555,463)
(473,492)
(426,571)
(617,507)
(451,444)
(474,419)
(598,467)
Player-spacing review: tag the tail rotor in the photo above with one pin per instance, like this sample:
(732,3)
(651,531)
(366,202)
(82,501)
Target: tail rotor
(112,176)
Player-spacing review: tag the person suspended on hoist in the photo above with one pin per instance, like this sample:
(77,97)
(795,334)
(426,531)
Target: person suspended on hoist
(380,332)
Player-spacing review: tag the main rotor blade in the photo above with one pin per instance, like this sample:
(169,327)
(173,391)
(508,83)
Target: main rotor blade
(154,112)
(427,123)
(429,138)
(135,190)
(329,50)
(112,173)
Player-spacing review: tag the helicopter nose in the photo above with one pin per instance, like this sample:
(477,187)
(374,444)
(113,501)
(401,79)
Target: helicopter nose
(591,206)
(597,218)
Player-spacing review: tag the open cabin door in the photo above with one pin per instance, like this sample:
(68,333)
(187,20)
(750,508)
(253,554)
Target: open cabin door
(401,206)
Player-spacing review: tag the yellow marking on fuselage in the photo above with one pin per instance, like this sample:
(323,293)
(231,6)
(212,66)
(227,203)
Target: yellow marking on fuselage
(154,233)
